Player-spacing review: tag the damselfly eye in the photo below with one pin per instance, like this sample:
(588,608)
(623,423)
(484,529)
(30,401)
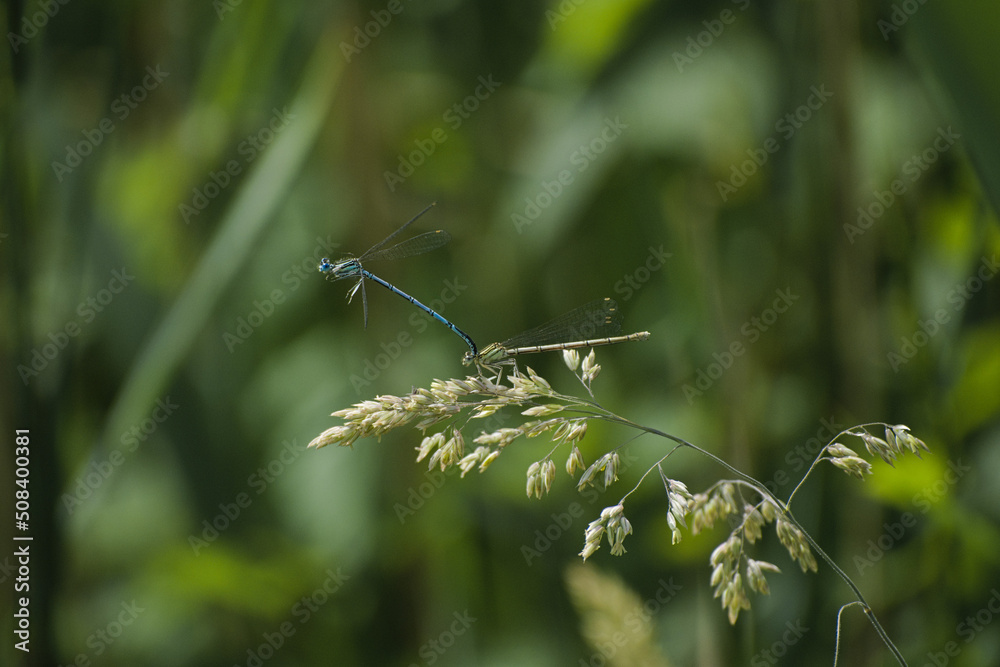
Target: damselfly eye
(352,267)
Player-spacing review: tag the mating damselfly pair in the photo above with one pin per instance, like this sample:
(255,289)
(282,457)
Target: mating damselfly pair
(596,323)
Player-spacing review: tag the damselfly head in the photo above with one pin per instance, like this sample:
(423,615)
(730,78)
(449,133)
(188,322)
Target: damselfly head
(349,267)
(468,359)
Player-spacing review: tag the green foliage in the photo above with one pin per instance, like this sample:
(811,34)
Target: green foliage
(172,173)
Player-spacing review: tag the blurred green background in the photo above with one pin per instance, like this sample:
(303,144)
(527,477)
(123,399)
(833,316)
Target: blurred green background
(173,171)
